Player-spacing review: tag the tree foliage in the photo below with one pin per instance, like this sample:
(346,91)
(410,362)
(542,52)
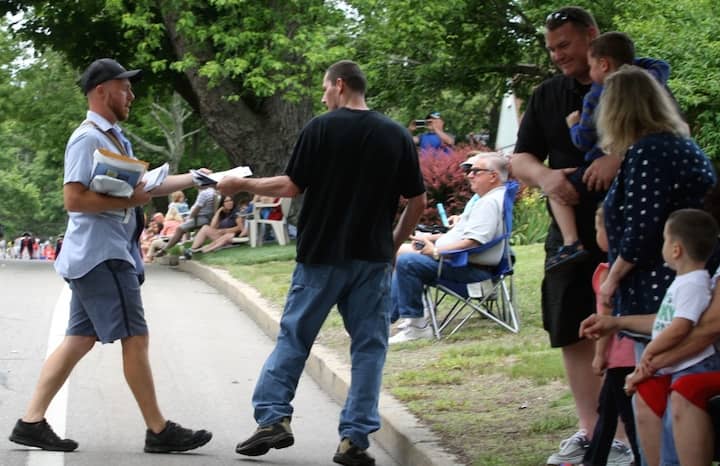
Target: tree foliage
(251,69)
(685,33)
(39,112)
(245,66)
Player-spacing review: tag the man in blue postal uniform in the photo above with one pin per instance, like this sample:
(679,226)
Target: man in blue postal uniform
(101,261)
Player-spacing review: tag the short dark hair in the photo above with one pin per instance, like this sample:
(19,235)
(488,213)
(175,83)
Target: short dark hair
(349,72)
(617,46)
(696,230)
(579,17)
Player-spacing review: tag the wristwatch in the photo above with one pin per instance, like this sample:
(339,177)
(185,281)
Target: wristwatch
(435,254)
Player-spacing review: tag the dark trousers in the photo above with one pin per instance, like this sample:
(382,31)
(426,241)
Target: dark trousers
(613,402)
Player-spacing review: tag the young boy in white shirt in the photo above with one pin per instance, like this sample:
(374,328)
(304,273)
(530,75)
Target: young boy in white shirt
(689,237)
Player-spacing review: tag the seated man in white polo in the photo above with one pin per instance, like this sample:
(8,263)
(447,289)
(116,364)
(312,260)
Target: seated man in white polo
(480,222)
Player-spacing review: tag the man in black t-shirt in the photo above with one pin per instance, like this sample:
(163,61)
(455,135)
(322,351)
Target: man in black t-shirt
(567,295)
(353,165)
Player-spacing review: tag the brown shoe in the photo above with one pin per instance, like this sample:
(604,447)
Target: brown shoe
(350,455)
(278,435)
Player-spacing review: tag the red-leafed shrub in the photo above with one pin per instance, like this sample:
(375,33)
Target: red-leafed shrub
(445,182)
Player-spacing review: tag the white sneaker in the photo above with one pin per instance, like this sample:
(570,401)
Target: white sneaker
(411,333)
(403,324)
(620,454)
(572,450)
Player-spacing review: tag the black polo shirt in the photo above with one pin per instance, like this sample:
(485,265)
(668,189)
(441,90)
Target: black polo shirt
(543,131)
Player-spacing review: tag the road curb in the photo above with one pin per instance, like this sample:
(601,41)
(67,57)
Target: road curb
(401,435)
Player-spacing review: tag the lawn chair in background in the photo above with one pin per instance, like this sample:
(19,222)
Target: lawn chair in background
(280,227)
(493,299)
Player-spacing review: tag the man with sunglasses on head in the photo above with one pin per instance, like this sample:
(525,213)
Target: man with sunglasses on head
(567,295)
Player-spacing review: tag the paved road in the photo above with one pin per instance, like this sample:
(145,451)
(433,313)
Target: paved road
(205,354)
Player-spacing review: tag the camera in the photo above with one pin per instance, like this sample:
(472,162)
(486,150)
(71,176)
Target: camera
(420,123)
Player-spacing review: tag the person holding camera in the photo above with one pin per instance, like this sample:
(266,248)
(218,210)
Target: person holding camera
(417,262)
(435,137)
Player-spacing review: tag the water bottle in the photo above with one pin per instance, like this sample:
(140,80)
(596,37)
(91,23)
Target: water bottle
(443,215)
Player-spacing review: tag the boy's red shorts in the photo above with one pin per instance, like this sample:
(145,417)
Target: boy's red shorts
(696,388)
(654,391)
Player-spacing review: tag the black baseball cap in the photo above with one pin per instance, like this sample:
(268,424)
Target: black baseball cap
(105,69)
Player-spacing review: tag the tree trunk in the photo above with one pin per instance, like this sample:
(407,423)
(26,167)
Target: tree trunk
(258,132)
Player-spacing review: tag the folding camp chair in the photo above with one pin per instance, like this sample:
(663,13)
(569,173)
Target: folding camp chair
(493,299)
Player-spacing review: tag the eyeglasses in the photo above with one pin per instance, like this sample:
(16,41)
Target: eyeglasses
(475,171)
(558,18)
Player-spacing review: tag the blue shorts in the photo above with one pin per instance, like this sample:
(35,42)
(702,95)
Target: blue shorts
(106,303)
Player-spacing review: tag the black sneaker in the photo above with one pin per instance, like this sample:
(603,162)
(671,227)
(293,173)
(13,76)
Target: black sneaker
(40,435)
(278,435)
(175,438)
(350,455)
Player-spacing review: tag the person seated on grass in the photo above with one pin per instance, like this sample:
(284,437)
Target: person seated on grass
(200,214)
(690,236)
(173,220)
(149,234)
(607,53)
(226,224)
(417,262)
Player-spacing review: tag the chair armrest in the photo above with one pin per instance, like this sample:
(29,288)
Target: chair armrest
(459,257)
(261,205)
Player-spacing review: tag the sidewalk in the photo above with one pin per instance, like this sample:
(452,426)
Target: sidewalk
(402,436)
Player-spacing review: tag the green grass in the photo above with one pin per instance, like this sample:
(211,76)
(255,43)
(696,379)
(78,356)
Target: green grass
(481,390)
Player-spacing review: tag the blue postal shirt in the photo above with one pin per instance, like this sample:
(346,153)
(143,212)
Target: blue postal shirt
(91,239)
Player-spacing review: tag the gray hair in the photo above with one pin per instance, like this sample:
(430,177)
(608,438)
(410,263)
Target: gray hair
(496,161)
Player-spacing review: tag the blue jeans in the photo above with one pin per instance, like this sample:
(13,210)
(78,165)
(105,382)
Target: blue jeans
(361,291)
(414,271)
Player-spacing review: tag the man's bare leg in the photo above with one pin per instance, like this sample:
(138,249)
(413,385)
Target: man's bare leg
(136,366)
(54,373)
(584,384)
(165,436)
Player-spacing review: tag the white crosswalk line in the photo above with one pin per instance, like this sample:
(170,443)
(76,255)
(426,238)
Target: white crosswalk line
(57,411)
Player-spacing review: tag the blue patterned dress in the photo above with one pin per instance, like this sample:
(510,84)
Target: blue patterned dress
(661,173)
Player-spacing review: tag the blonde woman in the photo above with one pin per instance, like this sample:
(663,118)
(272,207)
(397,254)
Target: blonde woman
(177,201)
(662,170)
